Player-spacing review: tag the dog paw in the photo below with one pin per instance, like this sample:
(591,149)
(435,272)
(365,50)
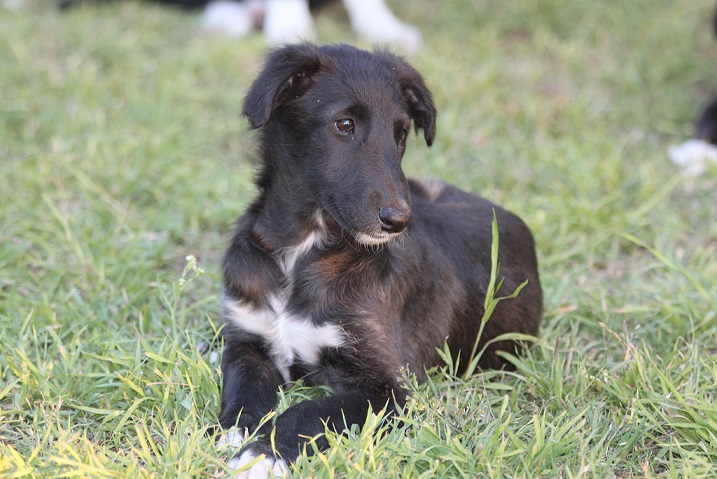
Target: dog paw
(232,440)
(373,20)
(258,466)
(288,21)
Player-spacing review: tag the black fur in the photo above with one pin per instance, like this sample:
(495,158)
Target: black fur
(706,123)
(394,302)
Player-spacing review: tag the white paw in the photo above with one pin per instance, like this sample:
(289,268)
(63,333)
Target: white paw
(693,156)
(373,20)
(213,358)
(232,439)
(234,19)
(250,466)
(287,21)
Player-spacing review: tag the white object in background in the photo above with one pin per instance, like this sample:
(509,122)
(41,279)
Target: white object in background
(287,21)
(284,21)
(12,4)
(693,156)
(374,21)
(233,19)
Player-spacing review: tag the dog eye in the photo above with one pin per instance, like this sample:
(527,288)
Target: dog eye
(345,125)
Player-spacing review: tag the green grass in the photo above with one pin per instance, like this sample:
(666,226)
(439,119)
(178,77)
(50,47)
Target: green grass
(122,153)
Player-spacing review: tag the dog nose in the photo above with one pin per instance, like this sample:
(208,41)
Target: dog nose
(394,220)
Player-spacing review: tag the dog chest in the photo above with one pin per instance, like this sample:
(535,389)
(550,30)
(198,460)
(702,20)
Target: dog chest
(290,337)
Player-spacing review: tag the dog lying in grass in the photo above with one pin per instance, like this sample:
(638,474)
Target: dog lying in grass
(343,271)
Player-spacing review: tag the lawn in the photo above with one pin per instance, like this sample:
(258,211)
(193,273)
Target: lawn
(124,162)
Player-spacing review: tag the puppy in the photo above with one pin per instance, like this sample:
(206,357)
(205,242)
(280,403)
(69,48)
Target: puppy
(342,271)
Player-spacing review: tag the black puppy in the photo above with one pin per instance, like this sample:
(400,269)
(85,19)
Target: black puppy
(342,271)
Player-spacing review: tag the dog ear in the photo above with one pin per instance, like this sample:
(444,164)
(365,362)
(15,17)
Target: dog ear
(286,74)
(421,108)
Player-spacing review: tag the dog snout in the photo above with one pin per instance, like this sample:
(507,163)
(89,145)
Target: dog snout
(394,220)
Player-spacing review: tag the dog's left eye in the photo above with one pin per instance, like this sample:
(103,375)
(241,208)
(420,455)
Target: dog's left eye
(345,125)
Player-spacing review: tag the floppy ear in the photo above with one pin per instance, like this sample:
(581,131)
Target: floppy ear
(286,74)
(421,108)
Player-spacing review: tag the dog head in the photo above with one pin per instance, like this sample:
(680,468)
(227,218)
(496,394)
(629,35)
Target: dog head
(343,115)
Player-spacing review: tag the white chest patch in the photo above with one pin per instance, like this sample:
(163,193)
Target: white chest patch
(290,336)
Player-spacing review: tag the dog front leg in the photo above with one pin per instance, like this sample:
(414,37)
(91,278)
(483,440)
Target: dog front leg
(250,383)
(301,422)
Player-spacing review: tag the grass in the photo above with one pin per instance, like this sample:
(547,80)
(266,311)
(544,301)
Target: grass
(123,153)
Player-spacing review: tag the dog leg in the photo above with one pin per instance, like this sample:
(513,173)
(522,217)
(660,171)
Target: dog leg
(231,18)
(301,422)
(373,20)
(250,383)
(288,21)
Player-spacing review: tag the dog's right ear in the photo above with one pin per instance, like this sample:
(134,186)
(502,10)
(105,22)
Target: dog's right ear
(287,74)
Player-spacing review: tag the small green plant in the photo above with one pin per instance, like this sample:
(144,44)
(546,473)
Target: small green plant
(491,301)
(171,296)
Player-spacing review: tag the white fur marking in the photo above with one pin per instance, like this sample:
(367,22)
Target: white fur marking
(292,255)
(375,240)
(289,335)
(373,20)
(305,339)
(263,469)
(293,337)
(288,259)
(250,319)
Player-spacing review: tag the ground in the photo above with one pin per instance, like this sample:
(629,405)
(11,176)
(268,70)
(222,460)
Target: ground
(122,154)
